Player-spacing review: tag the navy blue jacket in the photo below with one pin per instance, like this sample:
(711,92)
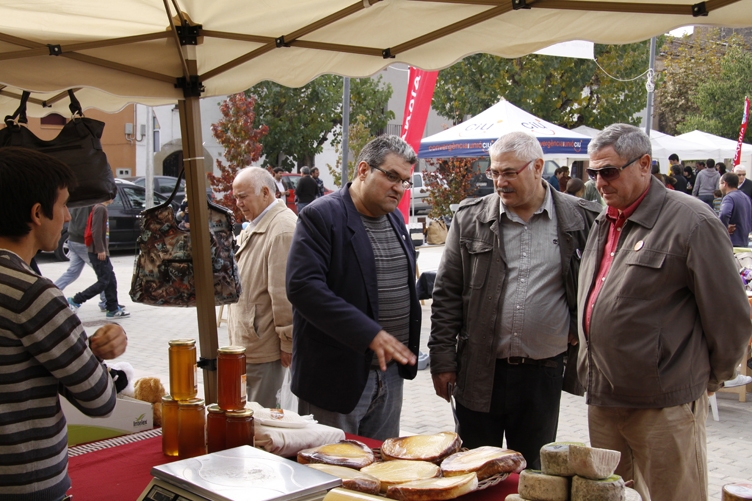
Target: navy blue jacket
(331,283)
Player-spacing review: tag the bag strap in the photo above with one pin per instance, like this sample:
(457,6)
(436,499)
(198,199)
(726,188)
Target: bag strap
(20,112)
(75,105)
(177,186)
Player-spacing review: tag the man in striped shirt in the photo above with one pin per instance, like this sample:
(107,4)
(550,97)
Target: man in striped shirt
(44,350)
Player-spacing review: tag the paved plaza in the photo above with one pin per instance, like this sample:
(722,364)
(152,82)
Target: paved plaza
(150,328)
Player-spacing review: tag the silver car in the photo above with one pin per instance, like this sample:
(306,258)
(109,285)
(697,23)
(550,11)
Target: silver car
(419,195)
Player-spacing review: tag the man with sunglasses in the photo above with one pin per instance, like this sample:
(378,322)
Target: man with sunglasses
(663,320)
(504,303)
(351,282)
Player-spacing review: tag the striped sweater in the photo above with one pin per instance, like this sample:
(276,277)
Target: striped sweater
(43,353)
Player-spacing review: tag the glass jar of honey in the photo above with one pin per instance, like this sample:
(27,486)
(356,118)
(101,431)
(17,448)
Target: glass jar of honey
(231,388)
(215,429)
(191,428)
(169,426)
(183,385)
(240,429)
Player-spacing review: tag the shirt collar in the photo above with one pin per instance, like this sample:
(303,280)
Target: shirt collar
(258,219)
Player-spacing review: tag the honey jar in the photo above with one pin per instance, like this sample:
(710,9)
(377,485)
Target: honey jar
(191,428)
(240,429)
(231,379)
(183,385)
(215,429)
(169,426)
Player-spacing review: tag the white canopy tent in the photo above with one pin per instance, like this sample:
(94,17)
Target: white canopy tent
(727,147)
(176,51)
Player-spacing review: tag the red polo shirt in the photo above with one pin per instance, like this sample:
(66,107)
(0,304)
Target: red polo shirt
(617,219)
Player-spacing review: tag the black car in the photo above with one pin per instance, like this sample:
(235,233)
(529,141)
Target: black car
(124,218)
(165,184)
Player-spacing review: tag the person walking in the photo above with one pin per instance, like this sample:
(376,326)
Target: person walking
(706,183)
(306,190)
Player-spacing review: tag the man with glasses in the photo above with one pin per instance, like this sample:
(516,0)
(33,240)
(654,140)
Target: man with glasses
(504,303)
(351,282)
(663,320)
(744,186)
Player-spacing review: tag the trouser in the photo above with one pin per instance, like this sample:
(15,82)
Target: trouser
(79,257)
(663,450)
(708,199)
(263,381)
(106,282)
(377,414)
(524,408)
(301,205)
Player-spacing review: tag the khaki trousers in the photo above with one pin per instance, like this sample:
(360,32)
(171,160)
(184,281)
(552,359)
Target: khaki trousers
(663,450)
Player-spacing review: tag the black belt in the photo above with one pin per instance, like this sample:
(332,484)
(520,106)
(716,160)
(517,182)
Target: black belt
(546,362)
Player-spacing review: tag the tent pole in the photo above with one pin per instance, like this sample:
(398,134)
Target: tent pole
(649,109)
(193,161)
(345,130)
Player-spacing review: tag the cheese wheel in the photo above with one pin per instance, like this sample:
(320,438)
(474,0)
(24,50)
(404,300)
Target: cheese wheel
(434,489)
(736,492)
(555,458)
(536,486)
(484,461)
(351,478)
(349,453)
(514,497)
(339,494)
(608,489)
(593,463)
(400,471)
(631,495)
(433,448)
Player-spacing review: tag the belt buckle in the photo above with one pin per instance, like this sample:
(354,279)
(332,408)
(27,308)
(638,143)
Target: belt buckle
(518,362)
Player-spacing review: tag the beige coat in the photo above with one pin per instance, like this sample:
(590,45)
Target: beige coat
(262,319)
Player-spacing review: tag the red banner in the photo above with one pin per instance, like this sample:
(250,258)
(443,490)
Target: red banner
(742,131)
(417,104)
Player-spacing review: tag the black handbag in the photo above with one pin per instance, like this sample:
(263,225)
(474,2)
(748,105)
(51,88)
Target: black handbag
(78,145)
(163,273)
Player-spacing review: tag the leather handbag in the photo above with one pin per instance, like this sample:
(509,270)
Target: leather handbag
(163,273)
(78,145)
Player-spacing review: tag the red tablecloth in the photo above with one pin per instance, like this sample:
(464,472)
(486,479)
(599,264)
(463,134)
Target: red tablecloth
(123,472)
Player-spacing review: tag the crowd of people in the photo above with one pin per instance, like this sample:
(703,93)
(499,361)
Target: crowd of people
(619,288)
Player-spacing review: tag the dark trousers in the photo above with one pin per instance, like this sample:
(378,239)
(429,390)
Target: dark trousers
(524,407)
(106,282)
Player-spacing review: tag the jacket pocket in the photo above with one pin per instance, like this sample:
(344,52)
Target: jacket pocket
(480,260)
(643,277)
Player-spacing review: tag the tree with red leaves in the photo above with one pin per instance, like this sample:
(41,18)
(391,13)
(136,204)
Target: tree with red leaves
(240,140)
(449,183)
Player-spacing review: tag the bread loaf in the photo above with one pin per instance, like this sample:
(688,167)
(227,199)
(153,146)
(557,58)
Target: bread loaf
(536,486)
(351,479)
(484,461)
(555,458)
(434,489)
(593,463)
(632,495)
(433,448)
(736,492)
(349,453)
(608,489)
(400,471)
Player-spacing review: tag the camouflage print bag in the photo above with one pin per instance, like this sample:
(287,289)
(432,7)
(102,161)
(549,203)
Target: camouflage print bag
(163,273)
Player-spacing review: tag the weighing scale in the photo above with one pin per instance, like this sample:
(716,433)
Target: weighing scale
(240,474)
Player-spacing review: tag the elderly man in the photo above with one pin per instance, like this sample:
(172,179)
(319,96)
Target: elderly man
(44,351)
(351,281)
(261,320)
(744,186)
(663,320)
(504,302)
(736,210)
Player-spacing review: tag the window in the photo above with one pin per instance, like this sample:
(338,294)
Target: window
(417,181)
(137,198)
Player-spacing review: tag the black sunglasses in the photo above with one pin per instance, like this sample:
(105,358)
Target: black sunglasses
(610,173)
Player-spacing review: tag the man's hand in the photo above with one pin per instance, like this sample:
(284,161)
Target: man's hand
(108,342)
(573,339)
(285,358)
(731,229)
(443,384)
(387,347)
(102,256)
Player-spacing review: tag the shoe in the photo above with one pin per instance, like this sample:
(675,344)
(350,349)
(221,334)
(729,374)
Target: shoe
(74,306)
(119,313)
(103,307)
(739,380)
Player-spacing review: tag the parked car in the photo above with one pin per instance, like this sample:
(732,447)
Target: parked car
(124,218)
(165,184)
(419,195)
(290,180)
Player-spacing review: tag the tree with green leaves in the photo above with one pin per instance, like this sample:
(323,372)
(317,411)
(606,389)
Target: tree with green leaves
(236,133)
(301,120)
(450,182)
(720,100)
(689,62)
(565,91)
(359,136)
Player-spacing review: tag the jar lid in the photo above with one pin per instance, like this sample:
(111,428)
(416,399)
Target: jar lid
(214,408)
(240,413)
(192,402)
(182,342)
(167,399)
(231,350)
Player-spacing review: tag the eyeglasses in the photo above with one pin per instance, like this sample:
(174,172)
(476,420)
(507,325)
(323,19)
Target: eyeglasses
(509,175)
(610,173)
(392,177)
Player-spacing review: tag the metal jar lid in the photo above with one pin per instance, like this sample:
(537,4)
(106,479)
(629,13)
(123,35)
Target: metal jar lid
(182,342)
(192,402)
(231,350)
(167,399)
(240,413)
(214,409)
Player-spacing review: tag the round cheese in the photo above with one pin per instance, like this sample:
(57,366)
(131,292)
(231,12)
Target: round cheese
(432,448)
(537,486)
(484,461)
(514,497)
(434,489)
(593,463)
(351,479)
(555,458)
(349,453)
(400,471)
(608,489)
(736,492)
(631,495)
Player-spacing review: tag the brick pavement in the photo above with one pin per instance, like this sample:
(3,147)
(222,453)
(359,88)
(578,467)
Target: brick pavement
(150,328)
